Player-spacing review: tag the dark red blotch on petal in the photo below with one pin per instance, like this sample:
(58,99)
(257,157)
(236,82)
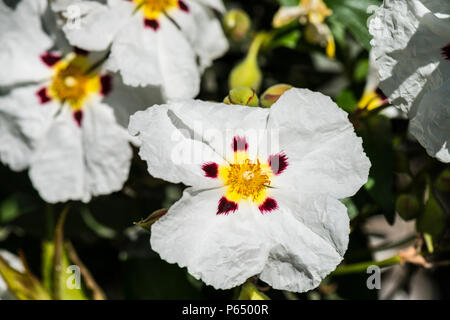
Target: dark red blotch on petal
(446,52)
(268,205)
(380,94)
(151,23)
(278,162)
(225,206)
(183,6)
(211,169)
(42,95)
(239,144)
(50,59)
(106,83)
(78,116)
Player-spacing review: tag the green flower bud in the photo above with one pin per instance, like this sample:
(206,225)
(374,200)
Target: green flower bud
(236,24)
(242,95)
(247,73)
(443,181)
(271,95)
(407,206)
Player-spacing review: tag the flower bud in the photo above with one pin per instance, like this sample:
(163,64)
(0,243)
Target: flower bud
(236,24)
(247,73)
(271,95)
(242,95)
(407,206)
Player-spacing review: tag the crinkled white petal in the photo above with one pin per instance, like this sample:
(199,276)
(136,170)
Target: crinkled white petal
(308,238)
(73,163)
(407,43)
(222,250)
(431,124)
(22,41)
(97,24)
(173,151)
(203,30)
(15,263)
(23,121)
(324,154)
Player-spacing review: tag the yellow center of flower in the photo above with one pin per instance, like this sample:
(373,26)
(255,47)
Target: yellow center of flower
(316,10)
(71,81)
(246,180)
(153,8)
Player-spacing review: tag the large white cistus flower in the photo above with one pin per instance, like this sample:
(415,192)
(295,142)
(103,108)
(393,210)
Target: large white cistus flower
(165,43)
(264,187)
(411,44)
(54,119)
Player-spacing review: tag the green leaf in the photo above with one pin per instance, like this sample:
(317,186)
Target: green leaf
(288,3)
(361,69)
(432,219)
(352,210)
(346,100)
(23,285)
(288,40)
(353,14)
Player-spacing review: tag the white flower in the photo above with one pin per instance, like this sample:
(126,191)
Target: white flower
(411,43)
(16,264)
(54,119)
(264,187)
(153,42)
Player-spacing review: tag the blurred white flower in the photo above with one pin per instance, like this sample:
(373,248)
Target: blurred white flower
(54,118)
(411,43)
(15,263)
(152,42)
(264,187)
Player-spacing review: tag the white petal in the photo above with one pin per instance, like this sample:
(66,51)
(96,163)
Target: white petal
(22,41)
(173,151)
(407,45)
(431,124)
(134,53)
(203,30)
(222,250)
(324,154)
(177,61)
(97,25)
(308,238)
(23,121)
(73,163)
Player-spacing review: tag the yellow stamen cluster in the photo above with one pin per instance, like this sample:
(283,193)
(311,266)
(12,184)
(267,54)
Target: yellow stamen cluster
(71,81)
(153,8)
(246,180)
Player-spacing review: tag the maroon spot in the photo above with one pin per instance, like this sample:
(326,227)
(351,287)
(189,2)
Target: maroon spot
(225,206)
(269,205)
(278,162)
(211,169)
(151,23)
(80,51)
(183,6)
(239,144)
(50,59)
(78,116)
(446,52)
(380,94)
(106,83)
(43,96)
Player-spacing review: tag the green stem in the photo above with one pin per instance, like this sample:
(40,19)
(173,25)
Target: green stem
(257,42)
(362,266)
